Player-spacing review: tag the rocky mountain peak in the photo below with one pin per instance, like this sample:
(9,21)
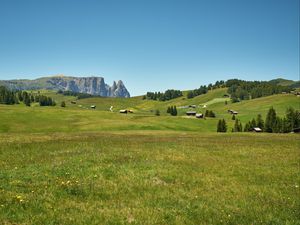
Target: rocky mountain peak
(90,85)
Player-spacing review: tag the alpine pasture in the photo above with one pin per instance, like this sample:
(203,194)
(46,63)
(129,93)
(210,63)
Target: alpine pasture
(77,165)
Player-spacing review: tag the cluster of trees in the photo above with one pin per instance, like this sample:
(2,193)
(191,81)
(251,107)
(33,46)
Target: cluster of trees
(209,113)
(15,97)
(196,92)
(258,122)
(244,90)
(172,110)
(272,123)
(167,95)
(222,126)
(76,94)
(238,127)
(7,97)
(45,101)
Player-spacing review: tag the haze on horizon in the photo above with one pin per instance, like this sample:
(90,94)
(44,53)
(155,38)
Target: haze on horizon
(150,45)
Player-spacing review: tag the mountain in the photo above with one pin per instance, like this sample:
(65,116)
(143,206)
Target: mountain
(285,82)
(89,85)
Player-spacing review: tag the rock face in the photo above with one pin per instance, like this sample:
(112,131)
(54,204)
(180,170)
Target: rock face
(90,85)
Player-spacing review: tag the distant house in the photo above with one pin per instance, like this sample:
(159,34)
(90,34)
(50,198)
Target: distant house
(192,106)
(232,112)
(191,113)
(93,107)
(257,129)
(123,111)
(130,111)
(73,102)
(199,115)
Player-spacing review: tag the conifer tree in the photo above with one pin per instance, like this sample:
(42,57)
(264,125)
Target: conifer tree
(260,122)
(175,111)
(270,120)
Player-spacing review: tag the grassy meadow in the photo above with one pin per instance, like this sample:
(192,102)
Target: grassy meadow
(76,165)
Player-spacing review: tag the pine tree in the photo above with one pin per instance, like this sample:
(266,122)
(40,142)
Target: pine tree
(233,117)
(63,104)
(247,127)
(157,113)
(219,126)
(277,127)
(26,100)
(222,127)
(237,126)
(260,122)
(206,113)
(253,123)
(169,109)
(175,111)
(270,120)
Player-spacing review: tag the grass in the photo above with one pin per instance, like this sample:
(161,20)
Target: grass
(149,178)
(75,165)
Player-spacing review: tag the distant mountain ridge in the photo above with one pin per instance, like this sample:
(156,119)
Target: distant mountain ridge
(90,85)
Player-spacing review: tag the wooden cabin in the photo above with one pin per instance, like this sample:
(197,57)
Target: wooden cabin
(257,129)
(199,115)
(191,113)
(93,107)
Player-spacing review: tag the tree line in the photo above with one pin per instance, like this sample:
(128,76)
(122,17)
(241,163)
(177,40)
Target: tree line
(76,94)
(197,92)
(11,97)
(160,96)
(271,124)
(244,90)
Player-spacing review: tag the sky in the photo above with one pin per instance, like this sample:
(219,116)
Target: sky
(152,45)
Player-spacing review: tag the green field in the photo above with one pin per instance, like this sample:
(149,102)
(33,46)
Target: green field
(76,165)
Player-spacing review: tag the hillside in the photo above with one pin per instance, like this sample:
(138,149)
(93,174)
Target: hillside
(79,116)
(285,82)
(77,165)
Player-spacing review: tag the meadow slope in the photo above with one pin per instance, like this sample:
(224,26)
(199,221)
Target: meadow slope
(76,165)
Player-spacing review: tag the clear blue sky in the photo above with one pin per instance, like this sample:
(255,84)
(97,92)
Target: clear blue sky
(151,45)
